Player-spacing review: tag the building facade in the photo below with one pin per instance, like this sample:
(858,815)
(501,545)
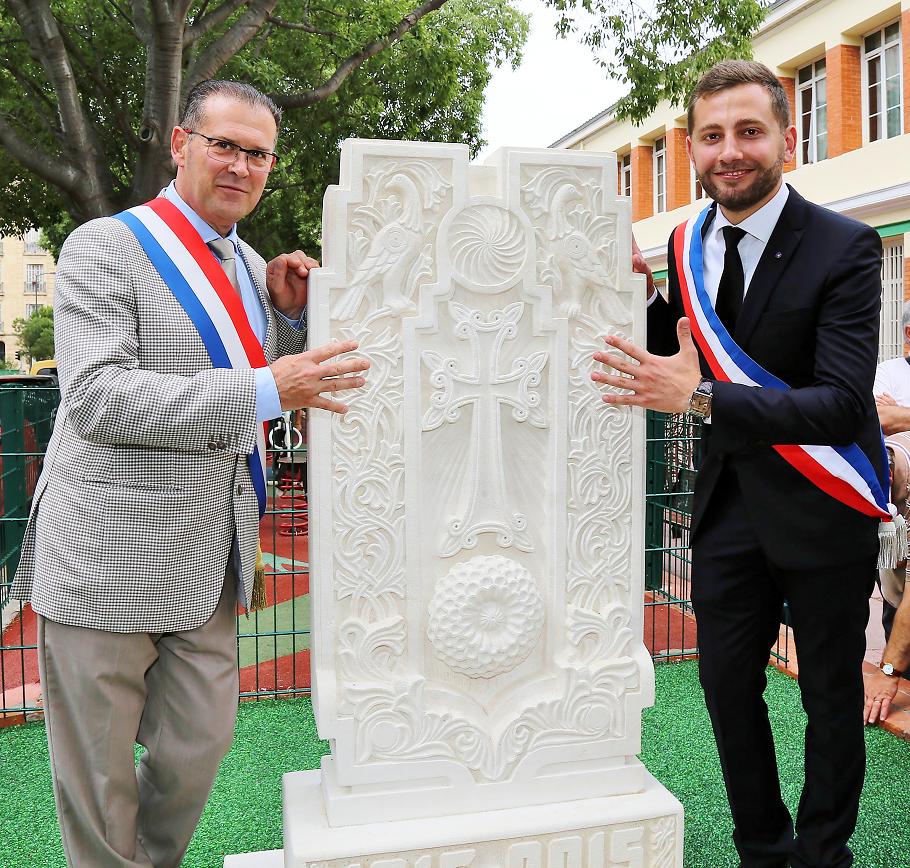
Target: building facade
(26,283)
(846,68)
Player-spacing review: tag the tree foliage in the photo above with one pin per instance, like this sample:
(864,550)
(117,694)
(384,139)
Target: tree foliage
(660,50)
(91,89)
(36,334)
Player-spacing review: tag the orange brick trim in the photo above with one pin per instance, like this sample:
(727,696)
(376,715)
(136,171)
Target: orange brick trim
(905,40)
(790,87)
(845,115)
(679,173)
(642,182)
(906,271)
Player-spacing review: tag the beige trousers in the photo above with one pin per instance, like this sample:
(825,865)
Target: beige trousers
(175,694)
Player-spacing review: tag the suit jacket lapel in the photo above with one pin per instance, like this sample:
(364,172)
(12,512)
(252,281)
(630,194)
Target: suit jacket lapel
(267,344)
(778,251)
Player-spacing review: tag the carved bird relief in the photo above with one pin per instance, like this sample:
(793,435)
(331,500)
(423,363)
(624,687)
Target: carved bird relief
(581,246)
(393,229)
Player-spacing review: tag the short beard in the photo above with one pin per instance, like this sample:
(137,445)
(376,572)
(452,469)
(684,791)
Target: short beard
(741,200)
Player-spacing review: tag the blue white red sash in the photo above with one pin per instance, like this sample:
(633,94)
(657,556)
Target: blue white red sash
(843,472)
(199,283)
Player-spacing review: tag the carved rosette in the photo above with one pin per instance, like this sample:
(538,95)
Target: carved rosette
(488,247)
(485,616)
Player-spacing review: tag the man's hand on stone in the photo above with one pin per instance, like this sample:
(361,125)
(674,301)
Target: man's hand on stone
(879,691)
(286,280)
(885,400)
(662,383)
(302,378)
(639,266)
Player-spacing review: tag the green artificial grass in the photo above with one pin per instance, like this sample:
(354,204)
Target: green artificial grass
(273,737)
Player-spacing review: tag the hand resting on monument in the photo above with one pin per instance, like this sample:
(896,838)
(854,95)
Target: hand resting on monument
(302,378)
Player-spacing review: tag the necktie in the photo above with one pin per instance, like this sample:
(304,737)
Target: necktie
(732,284)
(224,250)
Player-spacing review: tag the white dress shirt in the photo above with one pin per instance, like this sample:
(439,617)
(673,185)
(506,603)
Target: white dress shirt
(758,228)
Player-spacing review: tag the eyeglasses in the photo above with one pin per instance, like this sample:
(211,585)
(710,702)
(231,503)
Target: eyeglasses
(228,152)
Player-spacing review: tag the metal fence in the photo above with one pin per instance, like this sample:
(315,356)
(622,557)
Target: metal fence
(273,644)
(672,458)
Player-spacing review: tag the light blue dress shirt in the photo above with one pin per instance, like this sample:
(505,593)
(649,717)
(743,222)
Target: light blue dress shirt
(268,402)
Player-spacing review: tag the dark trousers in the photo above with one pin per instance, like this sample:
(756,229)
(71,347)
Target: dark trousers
(738,596)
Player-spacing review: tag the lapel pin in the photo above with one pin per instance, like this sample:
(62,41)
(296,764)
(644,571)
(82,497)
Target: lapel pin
(778,255)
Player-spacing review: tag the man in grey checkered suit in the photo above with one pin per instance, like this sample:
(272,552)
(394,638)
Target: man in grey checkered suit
(144,528)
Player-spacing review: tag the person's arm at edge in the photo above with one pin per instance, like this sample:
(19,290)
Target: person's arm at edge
(880,689)
(893,419)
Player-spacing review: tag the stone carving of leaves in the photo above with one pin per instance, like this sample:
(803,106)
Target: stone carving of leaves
(591,705)
(663,834)
(368,472)
(393,722)
(600,490)
(370,650)
(600,635)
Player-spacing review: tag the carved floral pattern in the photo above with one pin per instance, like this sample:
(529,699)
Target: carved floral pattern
(663,842)
(485,616)
(395,721)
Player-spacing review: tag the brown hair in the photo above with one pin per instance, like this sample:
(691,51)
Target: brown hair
(732,73)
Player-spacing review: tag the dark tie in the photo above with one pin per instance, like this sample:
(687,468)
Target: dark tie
(732,284)
(223,248)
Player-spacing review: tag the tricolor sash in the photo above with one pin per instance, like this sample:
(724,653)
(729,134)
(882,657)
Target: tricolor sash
(199,283)
(845,473)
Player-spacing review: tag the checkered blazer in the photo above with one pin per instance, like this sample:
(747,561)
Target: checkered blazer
(146,475)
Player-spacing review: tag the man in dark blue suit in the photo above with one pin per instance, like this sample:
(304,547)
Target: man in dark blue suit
(797,289)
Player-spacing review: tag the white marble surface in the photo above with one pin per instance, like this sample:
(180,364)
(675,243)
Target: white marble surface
(644,830)
(476,517)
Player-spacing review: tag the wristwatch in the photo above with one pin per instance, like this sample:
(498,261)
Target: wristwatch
(700,399)
(888,669)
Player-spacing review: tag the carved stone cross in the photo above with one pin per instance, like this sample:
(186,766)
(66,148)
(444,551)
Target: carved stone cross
(487,391)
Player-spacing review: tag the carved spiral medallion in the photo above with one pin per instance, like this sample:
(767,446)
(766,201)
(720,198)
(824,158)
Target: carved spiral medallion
(485,616)
(488,246)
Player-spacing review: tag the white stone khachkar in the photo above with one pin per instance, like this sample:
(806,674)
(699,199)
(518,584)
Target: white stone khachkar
(476,524)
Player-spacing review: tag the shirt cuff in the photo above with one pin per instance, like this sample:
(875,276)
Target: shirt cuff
(268,402)
(294,323)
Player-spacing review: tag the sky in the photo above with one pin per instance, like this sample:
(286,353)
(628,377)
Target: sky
(556,89)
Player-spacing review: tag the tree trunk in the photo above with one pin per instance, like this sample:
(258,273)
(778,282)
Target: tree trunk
(161,109)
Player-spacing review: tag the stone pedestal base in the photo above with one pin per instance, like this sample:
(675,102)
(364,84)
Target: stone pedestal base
(644,830)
